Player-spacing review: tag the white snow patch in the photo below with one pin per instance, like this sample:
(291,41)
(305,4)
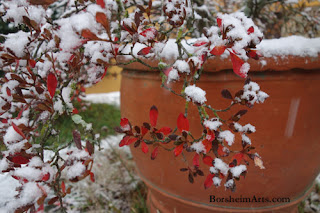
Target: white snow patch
(76,170)
(248,128)
(182,66)
(213,170)
(212,124)
(245,69)
(17,47)
(196,94)
(216,181)
(107,98)
(292,45)
(237,170)
(246,139)
(227,136)
(221,166)
(198,147)
(173,75)
(229,183)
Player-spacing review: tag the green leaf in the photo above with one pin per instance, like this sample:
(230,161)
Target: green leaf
(77,119)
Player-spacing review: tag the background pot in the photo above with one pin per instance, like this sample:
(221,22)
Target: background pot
(287,135)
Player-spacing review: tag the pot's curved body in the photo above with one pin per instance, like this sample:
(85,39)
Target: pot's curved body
(287,138)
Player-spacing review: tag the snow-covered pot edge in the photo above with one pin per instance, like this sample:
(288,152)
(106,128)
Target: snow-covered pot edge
(287,136)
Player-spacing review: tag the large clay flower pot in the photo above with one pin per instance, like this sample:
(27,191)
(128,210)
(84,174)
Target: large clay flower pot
(287,136)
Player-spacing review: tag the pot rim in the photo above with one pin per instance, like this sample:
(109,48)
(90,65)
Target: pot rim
(216,64)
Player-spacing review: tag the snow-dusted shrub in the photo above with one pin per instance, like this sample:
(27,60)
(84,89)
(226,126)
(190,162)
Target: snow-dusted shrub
(49,62)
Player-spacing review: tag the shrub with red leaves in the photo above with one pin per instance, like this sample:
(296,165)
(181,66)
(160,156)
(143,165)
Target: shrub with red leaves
(48,65)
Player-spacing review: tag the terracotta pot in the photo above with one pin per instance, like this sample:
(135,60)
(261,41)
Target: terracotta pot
(287,136)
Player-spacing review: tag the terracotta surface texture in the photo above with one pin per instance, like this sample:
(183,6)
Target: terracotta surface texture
(287,137)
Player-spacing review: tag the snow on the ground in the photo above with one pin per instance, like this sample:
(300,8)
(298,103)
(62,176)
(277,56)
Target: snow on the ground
(107,98)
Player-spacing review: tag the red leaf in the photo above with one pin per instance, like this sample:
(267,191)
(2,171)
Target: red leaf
(208,182)
(103,20)
(222,151)
(20,113)
(182,123)
(63,187)
(131,140)
(177,151)
(238,157)
(89,35)
(154,153)
(75,111)
(254,54)
(153,115)
(53,200)
(101,3)
(218,50)
(165,130)
(195,160)
(219,22)
(104,73)
(18,130)
(144,131)
(145,51)
(32,63)
(144,147)
(150,33)
(17,64)
(250,30)
(52,84)
(77,139)
(46,177)
(92,177)
(237,64)
(124,141)
(16,177)
(124,123)
(89,147)
(199,43)
(210,135)
(41,208)
(207,160)
(116,50)
(3,120)
(18,158)
(8,91)
(167,71)
(207,144)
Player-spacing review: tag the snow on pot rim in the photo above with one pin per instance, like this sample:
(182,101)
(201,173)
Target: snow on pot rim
(287,53)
